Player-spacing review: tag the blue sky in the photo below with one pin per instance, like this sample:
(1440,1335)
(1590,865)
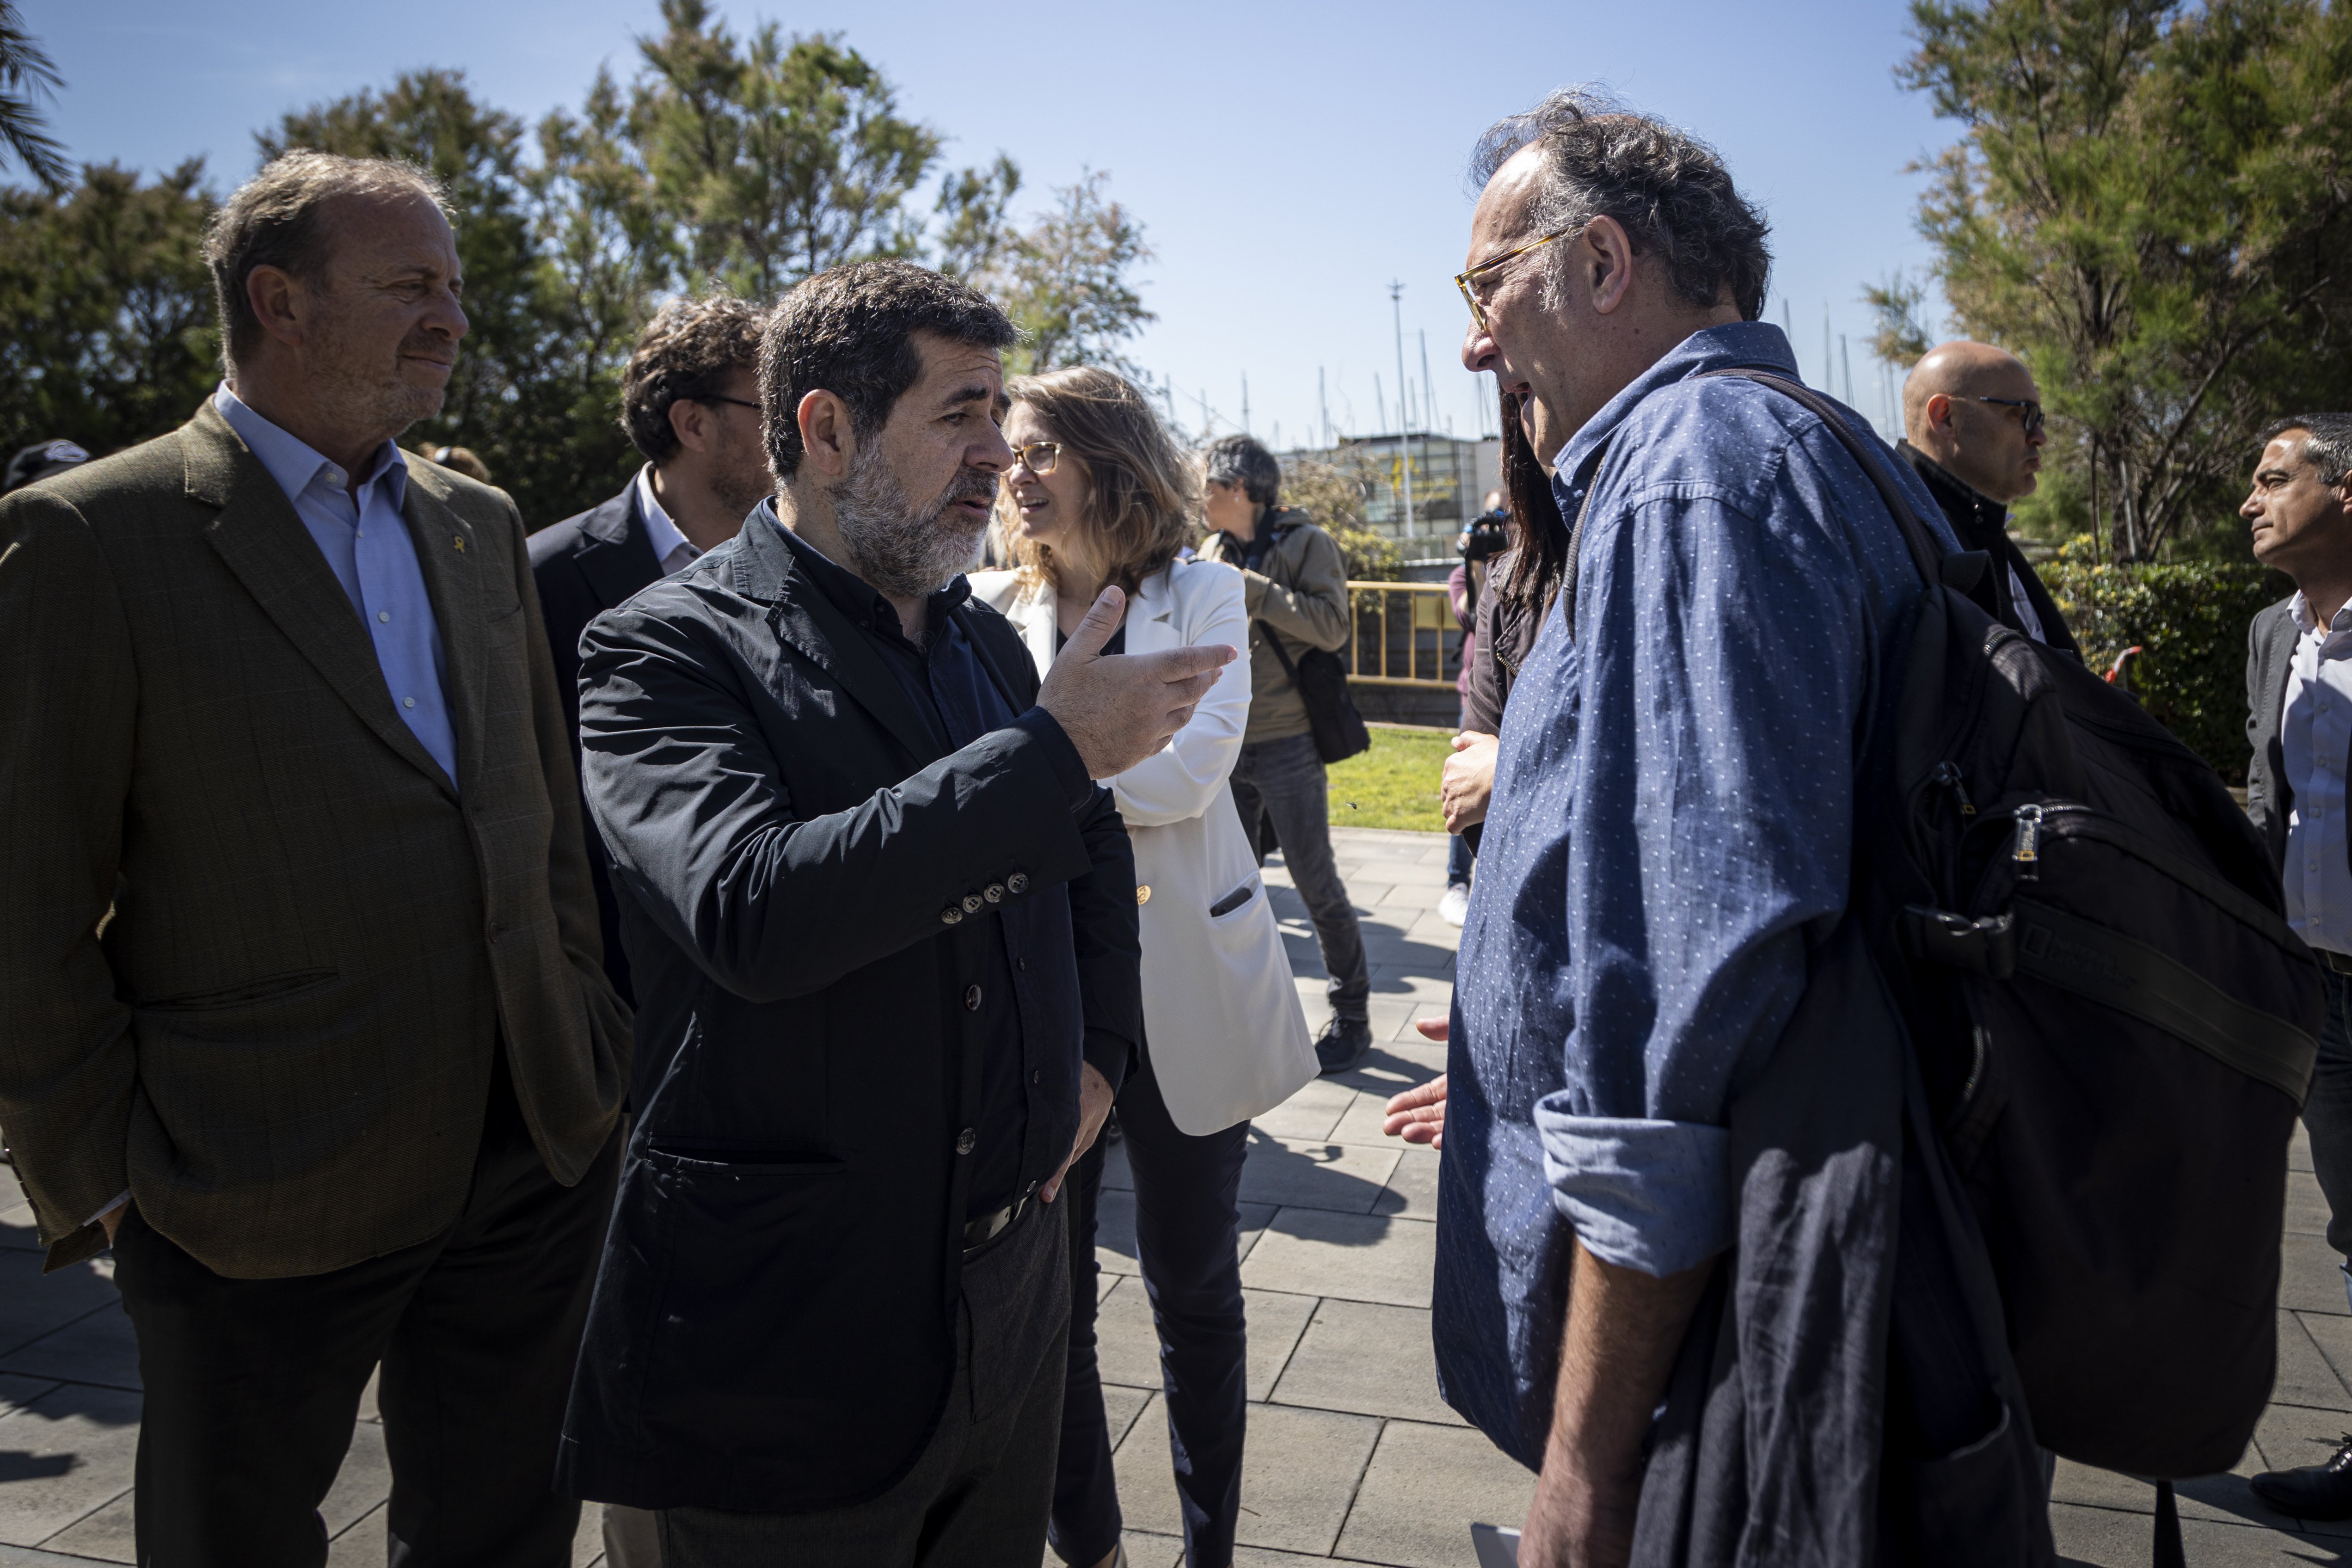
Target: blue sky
(1289,161)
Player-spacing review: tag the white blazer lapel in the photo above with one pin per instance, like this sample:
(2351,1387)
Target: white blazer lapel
(1152,619)
(1034,613)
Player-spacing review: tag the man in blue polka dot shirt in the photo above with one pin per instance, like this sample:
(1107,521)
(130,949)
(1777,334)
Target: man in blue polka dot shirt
(1673,816)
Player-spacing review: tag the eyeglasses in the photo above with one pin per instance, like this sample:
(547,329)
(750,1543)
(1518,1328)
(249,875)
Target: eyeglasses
(2033,419)
(1465,281)
(719,397)
(1038,457)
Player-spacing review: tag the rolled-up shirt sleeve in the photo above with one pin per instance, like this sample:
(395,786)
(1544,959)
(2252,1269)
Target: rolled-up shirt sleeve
(1724,666)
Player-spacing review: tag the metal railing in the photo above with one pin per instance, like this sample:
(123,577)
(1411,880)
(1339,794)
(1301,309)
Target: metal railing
(1402,633)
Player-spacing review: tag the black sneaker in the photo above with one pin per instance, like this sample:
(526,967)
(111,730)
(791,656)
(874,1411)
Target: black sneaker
(2313,1491)
(1343,1044)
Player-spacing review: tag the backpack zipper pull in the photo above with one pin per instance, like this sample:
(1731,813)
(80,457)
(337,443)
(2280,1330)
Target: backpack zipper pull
(2028,843)
(1949,778)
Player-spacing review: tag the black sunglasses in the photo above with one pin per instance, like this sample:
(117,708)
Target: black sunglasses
(2033,419)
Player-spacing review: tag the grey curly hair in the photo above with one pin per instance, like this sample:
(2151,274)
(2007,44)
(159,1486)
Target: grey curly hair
(1669,190)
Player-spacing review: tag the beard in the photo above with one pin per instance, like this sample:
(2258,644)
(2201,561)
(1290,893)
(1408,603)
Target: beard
(903,553)
(355,399)
(741,479)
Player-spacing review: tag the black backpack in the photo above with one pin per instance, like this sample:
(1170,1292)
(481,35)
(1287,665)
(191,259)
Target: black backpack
(1321,676)
(2116,1024)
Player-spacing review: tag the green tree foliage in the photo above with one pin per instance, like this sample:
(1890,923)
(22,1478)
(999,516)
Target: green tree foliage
(27,77)
(537,375)
(110,310)
(1900,338)
(2150,205)
(1067,283)
(726,162)
(1332,496)
(2188,621)
(779,159)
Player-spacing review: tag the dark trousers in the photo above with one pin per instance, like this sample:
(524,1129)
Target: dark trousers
(1187,1230)
(2328,1115)
(253,1384)
(1459,861)
(1283,780)
(978,1494)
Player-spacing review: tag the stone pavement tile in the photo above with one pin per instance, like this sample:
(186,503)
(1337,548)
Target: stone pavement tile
(1144,1550)
(1128,1344)
(1356,1258)
(364,1480)
(33,1304)
(16,1393)
(64,1456)
(2298,1148)
(2307,1205)
(1120,1411)
(2102,1538)
(1276,1320)
(1259,1557)
(16,1213)
(1417,974)
(588,1546)
(100,1348)
(1412,1186)
(1433,930)
(1413,895)
(1312,1113)
(2314,1352)
(1424,1489)
(110,1535)
(1369,1359)
(1348,1178)
(366,1544)
(1362,1124)
(2313,1278)
(2222,1499)
(368,1411)
(1115,1230)
(1299,1469)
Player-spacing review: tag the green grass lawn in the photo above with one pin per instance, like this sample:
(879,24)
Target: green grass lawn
(1394,784)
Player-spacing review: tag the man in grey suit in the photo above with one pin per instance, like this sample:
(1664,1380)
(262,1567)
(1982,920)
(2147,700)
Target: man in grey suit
(301,997)
(2299,723)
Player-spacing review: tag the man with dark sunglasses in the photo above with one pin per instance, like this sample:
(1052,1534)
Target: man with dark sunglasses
(1972,426)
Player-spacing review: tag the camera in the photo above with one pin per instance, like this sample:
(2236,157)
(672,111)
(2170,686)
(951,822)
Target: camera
(1486,538)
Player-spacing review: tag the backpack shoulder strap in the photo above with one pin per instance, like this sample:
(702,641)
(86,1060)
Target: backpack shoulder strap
(1926,554)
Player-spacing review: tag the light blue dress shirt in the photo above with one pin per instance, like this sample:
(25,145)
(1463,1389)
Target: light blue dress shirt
(367,546)
(2315,734)
(1671,830)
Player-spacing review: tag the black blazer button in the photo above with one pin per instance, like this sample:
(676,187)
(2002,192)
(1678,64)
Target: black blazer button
(965,1139)
(994,892)
(1017,883)
(971,903)
(950,915)
(971,1000)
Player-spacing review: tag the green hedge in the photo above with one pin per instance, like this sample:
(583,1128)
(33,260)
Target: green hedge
(2190,621)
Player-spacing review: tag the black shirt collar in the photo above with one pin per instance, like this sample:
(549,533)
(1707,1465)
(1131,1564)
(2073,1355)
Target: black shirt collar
(1977,516)
(860,600)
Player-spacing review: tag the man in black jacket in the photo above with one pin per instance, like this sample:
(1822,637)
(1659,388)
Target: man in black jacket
(690,402)
(884,932)
(1972,427)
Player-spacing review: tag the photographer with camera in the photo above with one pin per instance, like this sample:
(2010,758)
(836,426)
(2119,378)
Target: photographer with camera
(1488,536)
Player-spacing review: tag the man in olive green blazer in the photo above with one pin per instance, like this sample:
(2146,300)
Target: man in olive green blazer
(301,1000)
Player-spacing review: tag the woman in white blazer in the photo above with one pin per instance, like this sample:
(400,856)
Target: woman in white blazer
(1098,495)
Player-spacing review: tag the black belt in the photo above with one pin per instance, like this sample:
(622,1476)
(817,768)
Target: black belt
(978,1233)
(2339,962)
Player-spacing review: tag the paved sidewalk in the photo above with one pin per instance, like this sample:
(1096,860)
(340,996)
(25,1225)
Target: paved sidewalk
(1351,1454)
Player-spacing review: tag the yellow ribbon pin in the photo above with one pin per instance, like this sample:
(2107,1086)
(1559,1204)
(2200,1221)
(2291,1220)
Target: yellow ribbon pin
(458,540)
